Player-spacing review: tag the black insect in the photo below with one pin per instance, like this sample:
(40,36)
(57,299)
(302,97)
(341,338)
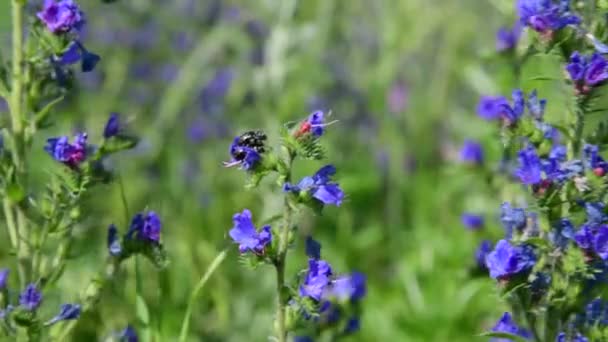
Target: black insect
(254,140)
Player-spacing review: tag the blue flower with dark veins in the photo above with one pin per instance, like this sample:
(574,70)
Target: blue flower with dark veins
(319,186)
(245,234)
(600,243)
(585,237)
(491,107)
(70,154)
(485,247)
(587,72)
(507,260)
(349,287)
(61,16)
(563,337)
(128,335)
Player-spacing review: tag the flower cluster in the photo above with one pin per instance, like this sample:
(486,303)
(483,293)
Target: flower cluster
(546,16)
(587,72)
(142,237)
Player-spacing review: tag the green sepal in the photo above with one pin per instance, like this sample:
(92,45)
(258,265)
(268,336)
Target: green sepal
(118,143)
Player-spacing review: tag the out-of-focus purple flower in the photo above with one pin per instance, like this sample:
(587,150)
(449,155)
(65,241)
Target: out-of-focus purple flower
(507,260)
(600,243)
(546,16)
(497,107)
(146,227)
(70,154)
(113,241)
(112,127)
(313,248)
(30,298)
(512,219)
(507,38)
(67,312)
(349,287)
(594,160)
(506,324)
(317,279)
(352,325)
(485,247)
(563,337)
(3,105)
(245,234)
(472,153)
(397,97)
(536,106)
(4,312)
(472,221)
(61,16)
(529,171)
(585,236)
(128,335)
(319,186)
(213,94)
(596,312)
(3,278)
(587,71)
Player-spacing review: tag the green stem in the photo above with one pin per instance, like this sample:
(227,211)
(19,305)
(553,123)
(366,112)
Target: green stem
(10,222)
(197,289)
(579,121)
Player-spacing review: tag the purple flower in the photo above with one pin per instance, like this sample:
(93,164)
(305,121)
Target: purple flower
(472,152)
(128,335)
(507,260)
(397,97)
(545,16)
(491,107)
(529,171)
(472,221)
(246,156)
(512,218)
(78,53)
(536,107)
(314,125)
(587,71)
(215,91)
(352,325)
(30,298)
(303,339)
(349,287)
(506,39)
(245,234)
(319,186)
(112,127)
(113,241)
(600,243)
(3,277)
(562,337)
(146,227)
(67,312)
(313,248)
(585,237)
(562,233)
(506,324)
(317,279)
(595,212)
(596,312)
(70,154)
(594,160)
(61,16)
(485,247)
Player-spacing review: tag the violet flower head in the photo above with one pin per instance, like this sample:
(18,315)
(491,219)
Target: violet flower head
(246,150)
(563,337)
(319,186)
(507,38)
(313,248)
(472,153)
(491,107)
(70,154)
(512,219)
(112,127)
(146,227)
(506,324)
(485,247)
(472,221)
(349,287)
(585,237)
(600,243)
(536,106)
(3,278)
(128,335)
(587,71)
(30,298)
(529,171)
(507,260)
(67,312)
(61,16)
(594,160)
(546,16)
(75,53)
(245,234)
(317,279)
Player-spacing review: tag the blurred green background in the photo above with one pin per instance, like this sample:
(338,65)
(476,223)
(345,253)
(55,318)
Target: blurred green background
(402,78)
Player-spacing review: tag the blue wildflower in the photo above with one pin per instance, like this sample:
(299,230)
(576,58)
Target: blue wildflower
(545,16)
(245,234)
(128,335)
(562,233)
(61,16)
(247,157)
(472,152)
(113,241)
(352,325)
(507,260)
(349,287)
(529,171)
(512,218)
(112,127)
(313,248)
(319,186)
(595,212)
(78,53)
(536,106)
(587,71)
(506,39)
(594,160)
(563,337)
(472,221)
(485,247)
(600,243)
(70,154)
(213,94)
(317,279)
(585,236)
(67,312)
(30,298)
(146,227)
(303,339)
(491,107)
(596,312)
(506,324)
(3,278)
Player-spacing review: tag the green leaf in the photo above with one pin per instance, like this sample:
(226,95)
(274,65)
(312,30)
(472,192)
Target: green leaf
(15,192)
(141,310)
(504,335)
(119,143)
(44,112)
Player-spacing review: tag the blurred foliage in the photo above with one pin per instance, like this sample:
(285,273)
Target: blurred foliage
(402,78)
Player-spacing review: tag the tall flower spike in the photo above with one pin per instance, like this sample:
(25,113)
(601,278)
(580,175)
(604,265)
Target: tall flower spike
(245,234)
(67,312)
(319,186)
(30,298)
